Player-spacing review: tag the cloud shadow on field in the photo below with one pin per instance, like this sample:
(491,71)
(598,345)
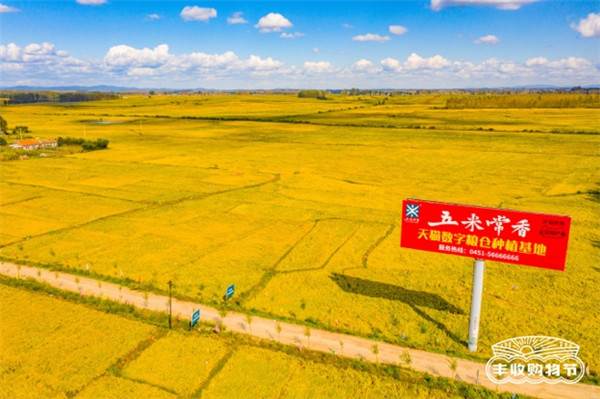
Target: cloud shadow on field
(412,298)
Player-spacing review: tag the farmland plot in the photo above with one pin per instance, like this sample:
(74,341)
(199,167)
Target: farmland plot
(305,217)
(51,348)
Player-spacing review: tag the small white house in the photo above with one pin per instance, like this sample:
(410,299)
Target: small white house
(34,144)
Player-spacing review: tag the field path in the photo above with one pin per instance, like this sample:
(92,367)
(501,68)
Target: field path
(293,334)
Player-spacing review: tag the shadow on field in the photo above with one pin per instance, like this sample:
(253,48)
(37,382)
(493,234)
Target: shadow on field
(594,195)
(388,291)
(596,269)
(412,298)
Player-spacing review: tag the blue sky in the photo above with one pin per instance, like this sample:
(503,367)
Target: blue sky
(298,44)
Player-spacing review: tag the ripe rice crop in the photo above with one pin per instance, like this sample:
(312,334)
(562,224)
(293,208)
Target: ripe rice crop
(177,362)
(300,208)
(110,387)
(51,348)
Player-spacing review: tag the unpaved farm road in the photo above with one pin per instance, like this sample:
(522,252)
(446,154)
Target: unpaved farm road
(292,334)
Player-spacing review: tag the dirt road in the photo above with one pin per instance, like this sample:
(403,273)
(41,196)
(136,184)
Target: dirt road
(292,334)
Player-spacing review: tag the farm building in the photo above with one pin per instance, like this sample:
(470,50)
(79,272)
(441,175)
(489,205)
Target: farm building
(34,144)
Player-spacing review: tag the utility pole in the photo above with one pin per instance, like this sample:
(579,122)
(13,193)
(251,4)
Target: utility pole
(170,307)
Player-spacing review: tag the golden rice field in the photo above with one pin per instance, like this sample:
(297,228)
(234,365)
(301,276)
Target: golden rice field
(298,203)
(52,349)
(261,373)
(68,350)
(177,362)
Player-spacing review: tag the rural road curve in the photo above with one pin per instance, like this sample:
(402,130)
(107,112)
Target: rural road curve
(292,334)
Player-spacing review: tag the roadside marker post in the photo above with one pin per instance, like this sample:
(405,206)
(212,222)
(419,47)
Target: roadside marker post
(230,291)
(195,318)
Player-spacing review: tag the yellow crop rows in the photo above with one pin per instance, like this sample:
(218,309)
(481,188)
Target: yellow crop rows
(50,347)
(177,362)
(298,203)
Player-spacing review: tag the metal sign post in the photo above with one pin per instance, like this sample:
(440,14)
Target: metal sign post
(195,318)
(230,291)
(476,303)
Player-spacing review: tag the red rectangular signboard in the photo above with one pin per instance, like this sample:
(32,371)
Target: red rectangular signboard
(525,238)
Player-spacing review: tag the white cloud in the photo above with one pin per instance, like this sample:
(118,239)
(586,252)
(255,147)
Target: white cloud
(536,61)
(315,50)
(489,39)
(44,65)
(4,9)
(318,67)
(259,64)
(123,55)
(236,18)
(589,26)
(10,52)
(391,64)
(141,72)
(273,22)
(39,49)
(365,66)
(370,37)
(291,35)
(362,64)
(565,63)
(196,13)
(437,5)
(204,61)
(415,61)
(41,61)
(152,17)
(91,2)
(398,29)
(347,26)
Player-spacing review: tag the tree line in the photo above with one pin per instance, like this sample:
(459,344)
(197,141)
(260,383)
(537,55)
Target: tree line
(505,101)
(44,97)
(318,94)
(86,145)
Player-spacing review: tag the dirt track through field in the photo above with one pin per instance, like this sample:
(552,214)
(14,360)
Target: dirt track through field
(293,334)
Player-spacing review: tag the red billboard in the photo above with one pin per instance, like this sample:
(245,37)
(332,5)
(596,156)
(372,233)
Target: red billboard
(502,235)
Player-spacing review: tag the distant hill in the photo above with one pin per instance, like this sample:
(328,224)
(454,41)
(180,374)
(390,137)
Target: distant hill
(108,88)
(74,88)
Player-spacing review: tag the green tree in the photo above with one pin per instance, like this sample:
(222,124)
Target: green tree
(375,350)
(307,333)
(20,130)
(249,322)
(3,124)
(453,365)
(278,327)
(406,358)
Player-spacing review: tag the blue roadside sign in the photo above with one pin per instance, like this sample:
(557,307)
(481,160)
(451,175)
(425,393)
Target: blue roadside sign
(195,318)
(230,291)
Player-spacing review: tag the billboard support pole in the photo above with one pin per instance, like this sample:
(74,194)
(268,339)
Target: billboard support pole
(476,303)
(170,304)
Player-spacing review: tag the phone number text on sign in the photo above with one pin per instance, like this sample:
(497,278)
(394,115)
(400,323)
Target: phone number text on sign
(526,238)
